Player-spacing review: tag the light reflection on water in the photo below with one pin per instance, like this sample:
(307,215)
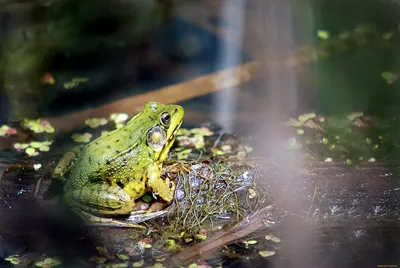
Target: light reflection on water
(225,103)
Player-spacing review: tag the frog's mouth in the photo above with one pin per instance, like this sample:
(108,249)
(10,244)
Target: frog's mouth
(168,144)
(173,136)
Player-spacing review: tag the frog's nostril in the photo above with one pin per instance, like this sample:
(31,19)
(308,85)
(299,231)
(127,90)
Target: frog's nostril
(175,110)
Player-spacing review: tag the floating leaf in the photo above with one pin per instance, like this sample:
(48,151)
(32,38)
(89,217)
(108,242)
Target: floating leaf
(204,131)
(172,245)
(13,259)
(387,36)
(35,144)
(31,151)
(138,263)
(294,123)
(85,138)
(198,141)
(275,239)
(184,154)
(183,132)
(188,239)
(323,34)
(6,130)
(390,77)
(161,258)
(119,117)
(101,250)
(21,146)
(123,257)
(266,253)
(355,115)
(226,148)
(248,149)
(49,262)
(250,242)
(143,245)
(95,122)
(44,148)
(200,236)
(38,125)
(304,117)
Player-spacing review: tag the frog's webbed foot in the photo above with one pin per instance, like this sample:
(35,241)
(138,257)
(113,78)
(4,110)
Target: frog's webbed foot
(66,161)
(107,222)
(101,199)
(164,188)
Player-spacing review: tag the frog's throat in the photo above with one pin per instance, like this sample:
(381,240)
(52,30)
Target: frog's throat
(164,151)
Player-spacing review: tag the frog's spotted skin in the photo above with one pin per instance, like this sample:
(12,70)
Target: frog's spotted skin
(115,169)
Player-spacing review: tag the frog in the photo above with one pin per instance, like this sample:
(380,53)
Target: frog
(113,171)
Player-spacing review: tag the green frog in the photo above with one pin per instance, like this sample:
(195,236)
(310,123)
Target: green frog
(114,170)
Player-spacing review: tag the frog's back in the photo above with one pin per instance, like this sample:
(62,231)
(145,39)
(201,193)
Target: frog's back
(96,157)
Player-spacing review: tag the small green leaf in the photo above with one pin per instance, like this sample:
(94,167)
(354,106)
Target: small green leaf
(390,77)
(13,259)
(323,34)
(266,253)
(31,151)
(123,257)
(138,263)
(44,148)
(84,138)
(36,144)
(355,115)
(387,36)
(250,242)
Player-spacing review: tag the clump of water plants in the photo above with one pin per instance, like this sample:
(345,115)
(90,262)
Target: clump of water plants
(208,193)
(34,147)
(38,125)
(349,140)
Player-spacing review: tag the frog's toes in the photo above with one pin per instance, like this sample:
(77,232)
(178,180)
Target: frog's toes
(170,184)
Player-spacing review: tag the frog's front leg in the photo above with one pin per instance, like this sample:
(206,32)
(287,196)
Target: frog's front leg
(101,199)
(164,188)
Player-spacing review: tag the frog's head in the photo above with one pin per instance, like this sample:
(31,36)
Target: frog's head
(166,121)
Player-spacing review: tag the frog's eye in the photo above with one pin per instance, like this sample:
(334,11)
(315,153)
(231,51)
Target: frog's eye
(165,119)
(156,137)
